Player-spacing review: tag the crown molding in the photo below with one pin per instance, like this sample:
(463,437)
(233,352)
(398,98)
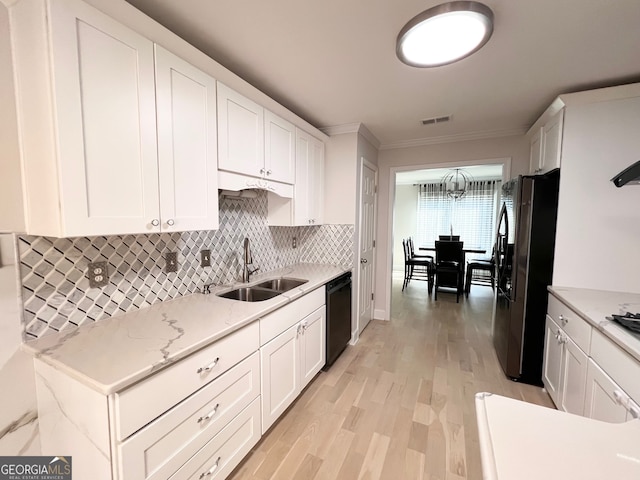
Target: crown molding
(359,128)
(460,137)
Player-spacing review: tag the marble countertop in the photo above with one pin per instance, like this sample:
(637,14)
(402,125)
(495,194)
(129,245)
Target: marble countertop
(595,305)
(114,353)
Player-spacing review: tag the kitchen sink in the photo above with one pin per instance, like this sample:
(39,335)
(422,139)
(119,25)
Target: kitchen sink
(263,290)
(250,294)
(282,284)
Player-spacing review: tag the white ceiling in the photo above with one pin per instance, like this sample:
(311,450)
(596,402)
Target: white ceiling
(333,62)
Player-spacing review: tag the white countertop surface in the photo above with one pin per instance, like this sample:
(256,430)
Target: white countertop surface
(114,353)
(522,441)
(595,305)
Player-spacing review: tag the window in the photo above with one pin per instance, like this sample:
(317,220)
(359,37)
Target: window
(473,216)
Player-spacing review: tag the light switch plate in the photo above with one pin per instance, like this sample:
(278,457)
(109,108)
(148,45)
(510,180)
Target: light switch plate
(171,262)
(205,258)
(98,273)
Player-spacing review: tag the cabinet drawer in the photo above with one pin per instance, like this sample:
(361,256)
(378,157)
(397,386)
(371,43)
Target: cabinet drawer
(620,366)
(277,322)
(224,452)
(573,325)
(164,445)
(139,404)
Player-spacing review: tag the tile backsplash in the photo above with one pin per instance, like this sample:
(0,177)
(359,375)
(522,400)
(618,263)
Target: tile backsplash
(53,271)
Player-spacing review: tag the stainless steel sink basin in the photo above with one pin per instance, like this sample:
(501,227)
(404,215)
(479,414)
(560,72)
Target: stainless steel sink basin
(282,285)
(263,290)
(250,294)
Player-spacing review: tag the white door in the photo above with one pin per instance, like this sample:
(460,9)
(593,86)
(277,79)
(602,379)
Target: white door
(313,345)
(366,242)
(279,376)
(106,121)
(574,377)
(187,145)
(600,402)
(552,363)
(279,148)
(240,133)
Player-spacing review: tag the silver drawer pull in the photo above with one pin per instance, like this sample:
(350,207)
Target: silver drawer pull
(563,319)
(209,415)
(208,367)
(211,470)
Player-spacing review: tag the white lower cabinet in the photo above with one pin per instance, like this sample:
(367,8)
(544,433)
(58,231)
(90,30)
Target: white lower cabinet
(584,372)
(292,352)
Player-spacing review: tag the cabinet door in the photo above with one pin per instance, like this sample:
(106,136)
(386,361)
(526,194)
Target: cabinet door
(316,182)
(280,377)
(301,210)
(187,145)
(552,363)
(601,391)
(240,133)
(535,152)
(280,148)
(312,345)
(106,122)
(574,377)
(552,143)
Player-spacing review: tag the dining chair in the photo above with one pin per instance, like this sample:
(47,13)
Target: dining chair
(449,238)
(417,256)
(449,265)
(417,269)
(480,271)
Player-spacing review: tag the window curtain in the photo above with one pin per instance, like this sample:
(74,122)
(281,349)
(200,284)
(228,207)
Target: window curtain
(473,216)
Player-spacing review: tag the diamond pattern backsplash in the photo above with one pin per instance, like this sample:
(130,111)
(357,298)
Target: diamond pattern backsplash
(55,287)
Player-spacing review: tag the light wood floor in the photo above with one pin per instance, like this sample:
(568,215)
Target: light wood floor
(398,405)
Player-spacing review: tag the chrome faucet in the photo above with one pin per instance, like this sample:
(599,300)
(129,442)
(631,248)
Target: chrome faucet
(248,260)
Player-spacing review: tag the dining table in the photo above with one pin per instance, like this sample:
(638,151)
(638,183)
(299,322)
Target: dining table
(465,250)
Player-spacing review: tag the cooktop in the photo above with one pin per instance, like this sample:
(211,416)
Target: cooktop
(630,321)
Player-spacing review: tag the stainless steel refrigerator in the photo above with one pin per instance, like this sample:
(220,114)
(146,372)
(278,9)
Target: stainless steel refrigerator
(525,242)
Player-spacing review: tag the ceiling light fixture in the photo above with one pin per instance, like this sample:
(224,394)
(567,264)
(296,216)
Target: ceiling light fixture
(445,34)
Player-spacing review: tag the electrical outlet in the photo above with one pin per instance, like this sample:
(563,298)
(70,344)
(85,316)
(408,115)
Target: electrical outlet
(294,243)
(171,262)
(205,258)
(98,273)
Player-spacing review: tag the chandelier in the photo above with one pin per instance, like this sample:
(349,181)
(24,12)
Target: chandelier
(456,183)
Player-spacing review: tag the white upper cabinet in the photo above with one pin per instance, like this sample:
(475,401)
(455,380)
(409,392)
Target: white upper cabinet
(546,141)
(279,148)
(309,187)
(187,146)
(86,97)
(240,133)
(253,141)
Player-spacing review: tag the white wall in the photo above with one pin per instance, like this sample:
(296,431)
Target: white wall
(460,153)
(404,221)
(598,232)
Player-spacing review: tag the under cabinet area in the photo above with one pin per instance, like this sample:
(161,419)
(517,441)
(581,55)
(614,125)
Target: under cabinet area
(90,116)
(584,372)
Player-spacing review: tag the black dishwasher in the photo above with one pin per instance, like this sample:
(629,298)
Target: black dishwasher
(338,300)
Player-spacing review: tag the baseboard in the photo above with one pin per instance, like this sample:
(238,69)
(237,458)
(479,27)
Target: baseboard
(380,314)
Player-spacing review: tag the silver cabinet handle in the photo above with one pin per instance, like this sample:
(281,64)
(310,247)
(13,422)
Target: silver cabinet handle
(209,415)
(211,470)
(269,172)
(363,260)
(155,222)
(262,171)
(208,367)
(170,222)
(304,327)
(563,319)
(617,396)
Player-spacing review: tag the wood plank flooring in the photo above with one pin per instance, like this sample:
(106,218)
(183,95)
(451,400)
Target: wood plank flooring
(399,404)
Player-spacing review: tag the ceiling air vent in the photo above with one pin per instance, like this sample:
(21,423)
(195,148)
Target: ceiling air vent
(434,120)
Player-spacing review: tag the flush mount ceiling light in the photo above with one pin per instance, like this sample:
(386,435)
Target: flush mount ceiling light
(445,34)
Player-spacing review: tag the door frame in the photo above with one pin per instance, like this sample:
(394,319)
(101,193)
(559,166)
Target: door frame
(355,326)
(388,267)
